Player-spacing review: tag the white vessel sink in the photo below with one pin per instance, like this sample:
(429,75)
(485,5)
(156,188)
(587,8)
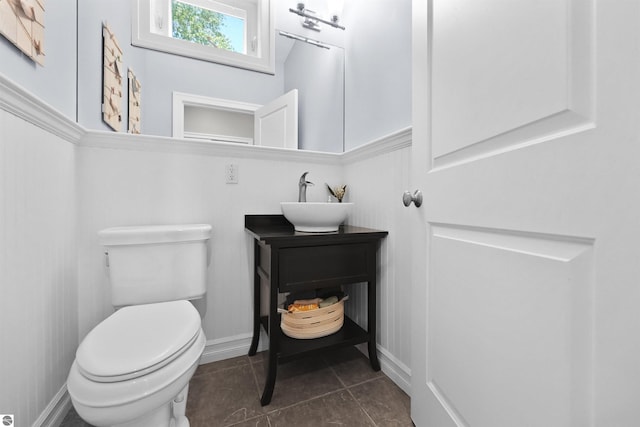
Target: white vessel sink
(315,217)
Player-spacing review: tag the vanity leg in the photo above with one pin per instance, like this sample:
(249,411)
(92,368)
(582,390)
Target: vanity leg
(274,337)
(371,321)
(256,300)
(270,383)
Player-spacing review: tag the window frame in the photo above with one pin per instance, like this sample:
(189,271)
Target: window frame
(263,61)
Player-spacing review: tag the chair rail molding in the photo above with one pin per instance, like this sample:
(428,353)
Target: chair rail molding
(20,102)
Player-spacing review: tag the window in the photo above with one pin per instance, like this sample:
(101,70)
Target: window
(231,32)
(207,25)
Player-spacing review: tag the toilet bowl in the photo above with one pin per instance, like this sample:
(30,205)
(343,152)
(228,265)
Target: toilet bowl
(133,369)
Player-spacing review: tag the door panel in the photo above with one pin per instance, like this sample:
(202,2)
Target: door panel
(276,124)
(509,326)
(490,71)
(526,142)
(538,52)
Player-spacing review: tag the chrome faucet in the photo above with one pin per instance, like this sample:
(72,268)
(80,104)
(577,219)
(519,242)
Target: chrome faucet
(302,187)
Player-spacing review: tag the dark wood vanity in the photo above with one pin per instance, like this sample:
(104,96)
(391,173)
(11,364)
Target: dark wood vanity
(287,261)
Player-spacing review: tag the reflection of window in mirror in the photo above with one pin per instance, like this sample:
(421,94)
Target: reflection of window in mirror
(230,32)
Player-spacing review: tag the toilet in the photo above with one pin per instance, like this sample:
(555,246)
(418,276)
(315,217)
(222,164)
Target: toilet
(133,369)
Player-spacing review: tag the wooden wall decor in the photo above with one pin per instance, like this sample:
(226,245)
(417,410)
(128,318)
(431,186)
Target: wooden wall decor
(112,79)
(22,23)
(135,96)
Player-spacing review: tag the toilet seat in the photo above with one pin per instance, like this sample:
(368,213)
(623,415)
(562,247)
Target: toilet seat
(97,400)
(138,340)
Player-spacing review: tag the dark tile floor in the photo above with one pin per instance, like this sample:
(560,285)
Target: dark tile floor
(338,388)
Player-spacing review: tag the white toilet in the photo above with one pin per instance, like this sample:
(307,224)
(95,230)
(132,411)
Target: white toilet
(133,369)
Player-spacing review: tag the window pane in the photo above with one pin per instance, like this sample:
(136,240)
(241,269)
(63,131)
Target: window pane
(207,27)
(234,28)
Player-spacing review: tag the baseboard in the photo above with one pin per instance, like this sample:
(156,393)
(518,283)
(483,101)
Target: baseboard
(397,371)
(56,410)
(238,345)
(229,347)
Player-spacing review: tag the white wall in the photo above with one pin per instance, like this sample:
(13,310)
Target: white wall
(145,180)
(378,69)
(38,318)
(128,186)
(318,74)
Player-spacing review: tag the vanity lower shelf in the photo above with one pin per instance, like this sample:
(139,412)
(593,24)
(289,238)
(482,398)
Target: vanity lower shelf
(292,348)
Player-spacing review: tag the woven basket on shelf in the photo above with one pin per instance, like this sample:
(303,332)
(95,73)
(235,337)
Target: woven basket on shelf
(313,323)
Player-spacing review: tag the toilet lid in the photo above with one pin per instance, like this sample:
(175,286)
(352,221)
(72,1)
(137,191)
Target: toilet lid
(137,340)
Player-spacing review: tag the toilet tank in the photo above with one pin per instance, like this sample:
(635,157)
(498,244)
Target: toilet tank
(156,263)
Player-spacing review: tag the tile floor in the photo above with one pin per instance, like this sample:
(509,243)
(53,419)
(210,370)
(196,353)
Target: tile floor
(338,388)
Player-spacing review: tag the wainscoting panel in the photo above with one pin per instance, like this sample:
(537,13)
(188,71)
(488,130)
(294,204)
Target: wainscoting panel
(376,177)
(38,319)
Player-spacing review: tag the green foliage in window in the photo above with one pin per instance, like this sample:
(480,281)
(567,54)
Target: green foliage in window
(198,25)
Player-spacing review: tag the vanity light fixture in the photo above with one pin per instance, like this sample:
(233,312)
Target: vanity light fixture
(304,39)
(312,21)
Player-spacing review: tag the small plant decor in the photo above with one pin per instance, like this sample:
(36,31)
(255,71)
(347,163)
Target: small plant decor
(337,192)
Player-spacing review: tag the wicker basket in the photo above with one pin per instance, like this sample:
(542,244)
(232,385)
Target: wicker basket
(314,323)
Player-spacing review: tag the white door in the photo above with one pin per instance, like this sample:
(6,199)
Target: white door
(276,124)
(526,133)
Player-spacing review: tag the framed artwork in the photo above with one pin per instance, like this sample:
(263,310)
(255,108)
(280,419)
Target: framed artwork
(22,23)
(112,79)
(135,91)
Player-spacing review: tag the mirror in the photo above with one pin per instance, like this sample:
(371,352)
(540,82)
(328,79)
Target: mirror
(316,70)
(312,69)
(320,78)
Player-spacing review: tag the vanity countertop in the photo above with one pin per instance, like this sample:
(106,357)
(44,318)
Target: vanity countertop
(275,229)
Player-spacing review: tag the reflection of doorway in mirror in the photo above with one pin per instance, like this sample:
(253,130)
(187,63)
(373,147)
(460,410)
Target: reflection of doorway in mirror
(212,119)
(222,120)
(316,69)
(276,123)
